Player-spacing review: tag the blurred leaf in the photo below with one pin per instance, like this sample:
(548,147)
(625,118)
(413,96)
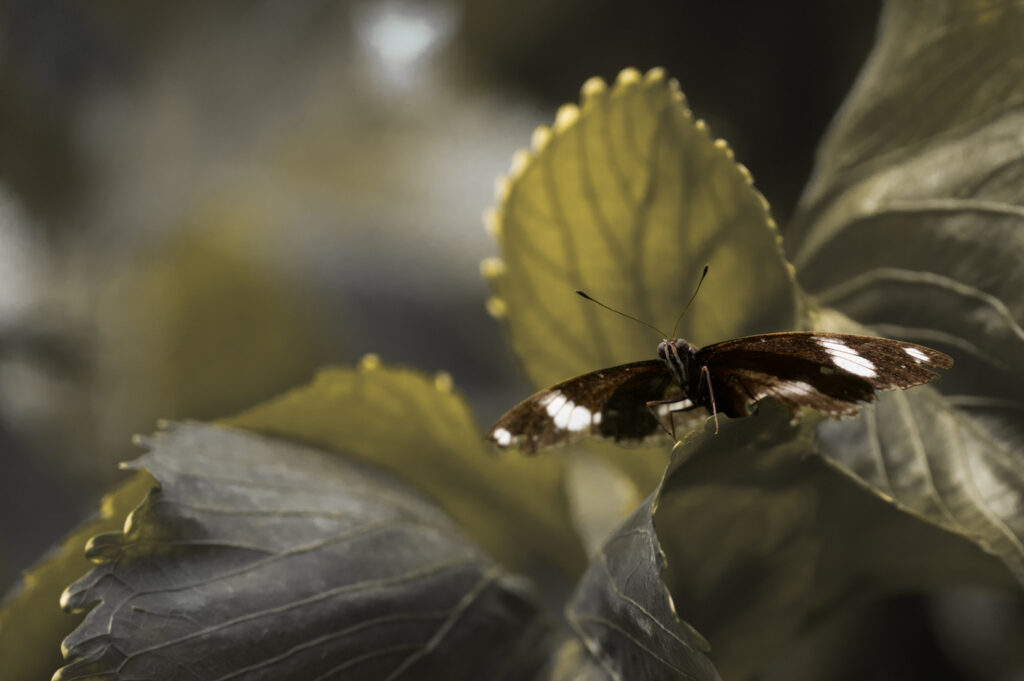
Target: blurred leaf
(628,197)
(200,325)
(912,225)
(264,558)
(605,483)
(572,662)
(208,322)
(625,615)
(765,539)
(31,621)
(423,433)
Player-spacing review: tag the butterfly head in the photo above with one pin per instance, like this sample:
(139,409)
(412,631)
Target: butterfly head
(678,354)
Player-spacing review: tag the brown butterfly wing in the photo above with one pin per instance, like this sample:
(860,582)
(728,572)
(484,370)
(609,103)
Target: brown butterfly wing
(832,373)
(609,403)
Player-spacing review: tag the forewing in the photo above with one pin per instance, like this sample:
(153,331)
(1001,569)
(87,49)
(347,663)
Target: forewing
(609,403)
(829,372)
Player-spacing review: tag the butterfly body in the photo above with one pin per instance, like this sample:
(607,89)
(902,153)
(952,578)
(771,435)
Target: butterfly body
(832,373)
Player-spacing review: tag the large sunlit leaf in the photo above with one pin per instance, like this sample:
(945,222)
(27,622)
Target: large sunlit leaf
(765,540)
(914,225)
(259,558)
(627,196)
(32,624)
(423,433)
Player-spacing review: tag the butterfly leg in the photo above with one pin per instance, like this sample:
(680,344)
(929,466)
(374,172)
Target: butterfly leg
(657,403)
(711,394)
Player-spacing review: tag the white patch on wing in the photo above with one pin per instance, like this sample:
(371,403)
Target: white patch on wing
(597,418)
(554,403)
(846,358)
(502,437)
(561,417)
(663,410)
(793,388)
(579,419)
(916,354)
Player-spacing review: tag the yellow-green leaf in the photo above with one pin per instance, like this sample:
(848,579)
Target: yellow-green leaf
(424,433)
(628,196)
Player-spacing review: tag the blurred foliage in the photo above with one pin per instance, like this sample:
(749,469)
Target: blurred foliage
(205,322)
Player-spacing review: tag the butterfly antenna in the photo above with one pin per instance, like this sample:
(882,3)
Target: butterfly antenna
(681,314)
(583,294)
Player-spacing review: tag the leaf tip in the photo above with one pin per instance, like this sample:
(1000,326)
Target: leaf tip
(369,362)
(492,222)
(540,138)
(655,75)
(520,159)
(593,87)
(723,146)
(627,76)
(567,115)
(502,185)
(497,307)
(65,599)
(443,382)
(492,268)
(106,547)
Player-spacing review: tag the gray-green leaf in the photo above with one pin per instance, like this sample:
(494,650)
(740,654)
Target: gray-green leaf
(261,559)
(765,539)
(623,612)
(914,225)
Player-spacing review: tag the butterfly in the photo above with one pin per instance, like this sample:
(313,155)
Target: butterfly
(830,372)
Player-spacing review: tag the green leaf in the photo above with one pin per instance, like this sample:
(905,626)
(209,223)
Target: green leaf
(765,540)
(912,225)
(31,621)
(623,613)
(423,433)
(267,559)
(628,197)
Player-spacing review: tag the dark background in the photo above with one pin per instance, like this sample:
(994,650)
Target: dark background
(201,203)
